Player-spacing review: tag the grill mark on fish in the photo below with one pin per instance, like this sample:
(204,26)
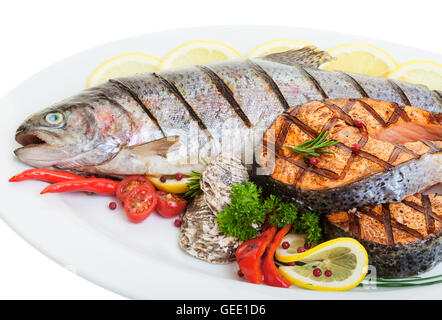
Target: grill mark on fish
(299,175)
(356,85)
(349,105)
(355,225)
(398,112)
(174,90)
(342,115)
(282,135)
(394,155)
(314,82)
(300,124)
(421,209)
(428,218)
(387,223)
(432,146)
(139,102)
(225,91)
(401,112)
(393,223)
(400,92)
(314,134)
(319,171)
(373,112)
(270,82)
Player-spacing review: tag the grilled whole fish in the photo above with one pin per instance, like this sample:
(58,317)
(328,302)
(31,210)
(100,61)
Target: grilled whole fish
(166,122)
(402,239)
(393,161)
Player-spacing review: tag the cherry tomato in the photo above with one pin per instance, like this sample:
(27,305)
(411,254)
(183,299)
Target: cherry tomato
(169,204)
(139,203)
(128,184)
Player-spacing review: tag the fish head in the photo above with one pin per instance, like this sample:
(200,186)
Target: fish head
(80,131)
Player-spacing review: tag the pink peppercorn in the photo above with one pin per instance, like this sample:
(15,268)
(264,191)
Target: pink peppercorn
(328,273)
(177,223)
(285,245)
(179,176)
(358,123)
(112,205)
(301,249)
(356,147)
(314,161)
(317,272)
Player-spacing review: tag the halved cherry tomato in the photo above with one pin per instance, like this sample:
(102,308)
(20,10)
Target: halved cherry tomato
(139,203)
(128,184)
(169,204)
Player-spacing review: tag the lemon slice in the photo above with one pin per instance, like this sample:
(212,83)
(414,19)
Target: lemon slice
(290,254)
(274,46)
(361,58)
(123,65)
(428,73)
(171,185)
(198,52)
(335,265)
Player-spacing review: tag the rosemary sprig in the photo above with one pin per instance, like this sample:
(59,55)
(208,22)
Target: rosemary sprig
(313,148)
(194,185)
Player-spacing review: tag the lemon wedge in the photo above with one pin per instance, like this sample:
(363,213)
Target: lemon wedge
(361,58)
(198,52)
(335,265)
(275,46)
(170,185)
(428,73)
(123,65)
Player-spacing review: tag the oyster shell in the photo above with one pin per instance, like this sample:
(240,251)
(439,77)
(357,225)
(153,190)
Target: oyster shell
(218,178)
(200,237)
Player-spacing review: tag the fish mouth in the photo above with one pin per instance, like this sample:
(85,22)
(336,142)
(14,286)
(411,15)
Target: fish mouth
(29,138)
(40,148)
(39,137)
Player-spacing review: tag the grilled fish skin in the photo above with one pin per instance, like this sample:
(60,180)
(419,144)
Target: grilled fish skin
(382,171)
(108,129)
(402,239)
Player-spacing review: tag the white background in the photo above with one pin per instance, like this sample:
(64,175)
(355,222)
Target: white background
(35,34)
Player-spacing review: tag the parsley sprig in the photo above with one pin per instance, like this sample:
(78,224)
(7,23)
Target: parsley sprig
(244,214)
(248,211)
(313,148)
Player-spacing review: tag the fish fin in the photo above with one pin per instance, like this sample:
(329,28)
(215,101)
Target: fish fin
(309,56)
(158,147)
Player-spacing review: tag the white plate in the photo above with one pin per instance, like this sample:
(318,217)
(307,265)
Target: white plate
(144,260)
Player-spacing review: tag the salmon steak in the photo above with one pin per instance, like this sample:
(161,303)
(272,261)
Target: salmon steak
(402,239)
(398,153)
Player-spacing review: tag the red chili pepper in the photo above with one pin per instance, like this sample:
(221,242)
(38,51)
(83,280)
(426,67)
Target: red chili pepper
(249,253)
(46,175)
(272,277)
(95,185)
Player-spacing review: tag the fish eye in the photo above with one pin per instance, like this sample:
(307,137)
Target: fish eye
(54,118)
